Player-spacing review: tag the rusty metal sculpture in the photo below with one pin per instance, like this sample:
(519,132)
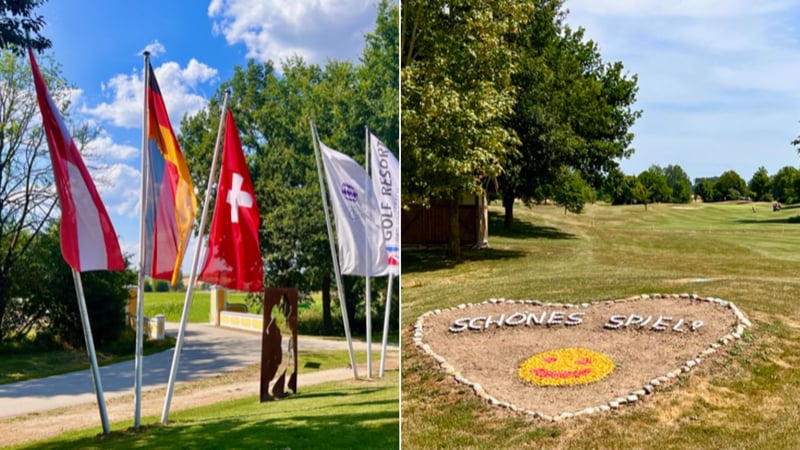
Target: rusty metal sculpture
(284,301)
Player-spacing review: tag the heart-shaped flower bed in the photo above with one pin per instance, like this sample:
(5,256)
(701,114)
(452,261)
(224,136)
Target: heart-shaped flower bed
(555,361)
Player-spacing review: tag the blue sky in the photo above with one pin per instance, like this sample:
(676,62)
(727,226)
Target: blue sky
(718,79)
(194,46)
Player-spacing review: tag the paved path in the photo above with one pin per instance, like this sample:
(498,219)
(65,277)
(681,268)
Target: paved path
(207,351)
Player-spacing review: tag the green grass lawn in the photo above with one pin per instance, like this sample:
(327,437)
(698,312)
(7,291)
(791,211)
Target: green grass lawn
(170,304)
(30,365)
(337,415)
(742,399)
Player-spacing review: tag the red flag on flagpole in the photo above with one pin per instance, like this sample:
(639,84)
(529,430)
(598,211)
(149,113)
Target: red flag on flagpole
(234,254)
(88,239)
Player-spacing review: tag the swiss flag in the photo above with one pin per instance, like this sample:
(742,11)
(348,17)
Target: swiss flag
(88,240)
(234,254)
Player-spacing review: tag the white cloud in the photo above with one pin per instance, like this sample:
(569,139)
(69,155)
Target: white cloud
(118,187)
(155,48)
(105,148)
(316,30)
(177,86)
(716,77)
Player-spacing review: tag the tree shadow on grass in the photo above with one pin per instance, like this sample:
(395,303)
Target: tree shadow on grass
(435,257)
(790,220)
(374,426)
(523,229)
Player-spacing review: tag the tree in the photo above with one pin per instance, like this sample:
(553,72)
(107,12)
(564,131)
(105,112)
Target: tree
(379,77)
(706,188)
(46,300)
(731,186)
(655,181)
(20,27)
(456,67)
(679,183)
(27,200)
(641,194)
(783,184)
(760,185)
(571,191)
(572,109)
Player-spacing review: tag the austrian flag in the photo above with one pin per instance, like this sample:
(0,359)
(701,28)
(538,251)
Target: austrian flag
(234,254)
(88,240)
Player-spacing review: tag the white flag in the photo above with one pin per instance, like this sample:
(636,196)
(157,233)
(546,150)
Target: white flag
(355,210)
(386,185)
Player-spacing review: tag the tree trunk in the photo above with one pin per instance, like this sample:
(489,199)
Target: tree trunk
(327,322)
(454,237)
(508,204)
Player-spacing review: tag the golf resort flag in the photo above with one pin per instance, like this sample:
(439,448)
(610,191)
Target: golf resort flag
(88,240)
(355,212)
(170,203)
(234,254)
(386,184)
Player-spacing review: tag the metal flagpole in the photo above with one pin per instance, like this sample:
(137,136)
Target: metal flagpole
(137,382)
(187,303)
(368,291)
(87,334)
(386,324)
(339,285)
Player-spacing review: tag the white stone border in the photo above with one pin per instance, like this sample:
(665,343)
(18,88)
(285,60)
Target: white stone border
(632,397)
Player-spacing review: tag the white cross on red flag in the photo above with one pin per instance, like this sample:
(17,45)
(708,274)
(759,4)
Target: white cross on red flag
(234,254)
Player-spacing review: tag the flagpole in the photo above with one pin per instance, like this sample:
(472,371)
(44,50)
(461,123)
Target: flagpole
(386,323)
(137,383)
(367,261)
(187,303)
(339,285)
(87,334)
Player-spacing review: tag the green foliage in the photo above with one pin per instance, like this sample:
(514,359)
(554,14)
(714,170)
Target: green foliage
(161,285)
(679,183)
(760,185)
(641,193)
(25,172)
(20,27)
(705,188)
(47,302)
(783,185)
(731,186)
(148,287)
(572,191)
(457,63)
(572,110)
(655,181)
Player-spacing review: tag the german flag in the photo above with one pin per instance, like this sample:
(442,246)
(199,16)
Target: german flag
(170,204)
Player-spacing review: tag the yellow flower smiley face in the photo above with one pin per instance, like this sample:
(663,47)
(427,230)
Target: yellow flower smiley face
(565,366)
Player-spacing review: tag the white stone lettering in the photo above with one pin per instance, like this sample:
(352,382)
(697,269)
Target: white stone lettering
(473,323)
(459,325)
(556,317)
(662,323)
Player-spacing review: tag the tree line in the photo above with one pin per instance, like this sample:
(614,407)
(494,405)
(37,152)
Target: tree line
(671,184)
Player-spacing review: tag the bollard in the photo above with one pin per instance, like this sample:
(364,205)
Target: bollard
(160,325)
